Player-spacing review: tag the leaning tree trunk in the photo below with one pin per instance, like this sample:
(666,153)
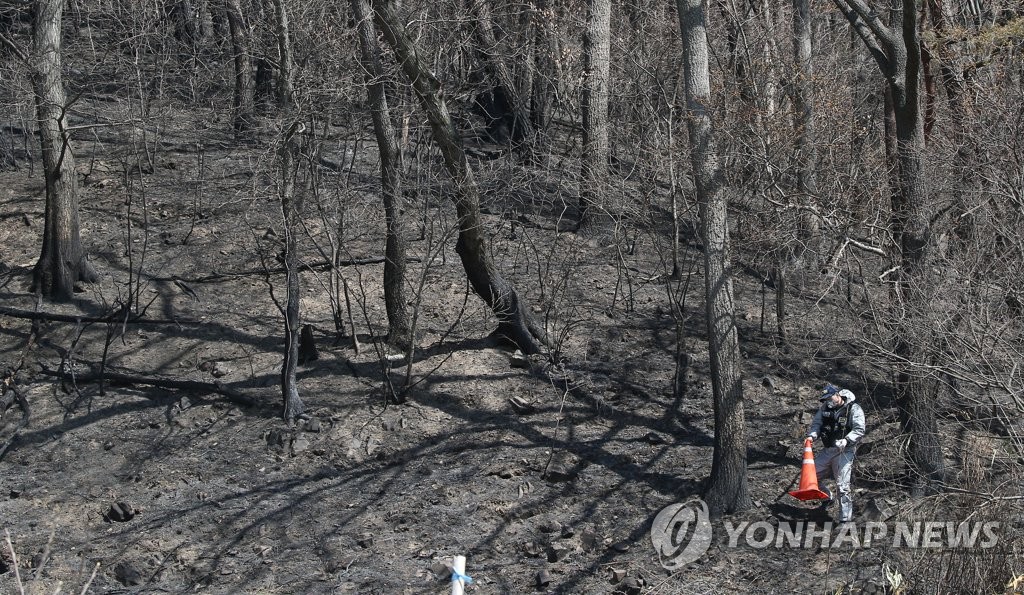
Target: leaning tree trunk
(390,178)
(514,320)
(291,209)
(62,262)
(898,54)
(596,70)
(727,487)
(243,107)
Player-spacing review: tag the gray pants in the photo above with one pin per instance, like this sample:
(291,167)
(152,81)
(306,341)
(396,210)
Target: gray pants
(838,464)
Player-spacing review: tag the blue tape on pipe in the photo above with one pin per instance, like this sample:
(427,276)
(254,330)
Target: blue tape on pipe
(464,578)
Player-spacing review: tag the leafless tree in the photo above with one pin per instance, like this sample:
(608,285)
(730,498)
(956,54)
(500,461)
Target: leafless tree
(390,176)
(897,51)
(596,70)
(727,487)
(63,262)
(291,210)
(542,64)
(515,322)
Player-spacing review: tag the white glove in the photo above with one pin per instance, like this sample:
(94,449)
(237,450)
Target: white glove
(813,435)
(841,443)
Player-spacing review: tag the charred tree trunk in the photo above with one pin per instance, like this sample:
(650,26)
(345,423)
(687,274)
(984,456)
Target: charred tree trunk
(264,85)
(898,54)
(241,49)
(62,262)
(514,320)
(727,487)
(390,177)
(291,208)
(596,70)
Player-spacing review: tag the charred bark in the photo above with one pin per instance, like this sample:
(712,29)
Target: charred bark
(62,262)
(399,330)
(596,70)
(803,120)
(291,207)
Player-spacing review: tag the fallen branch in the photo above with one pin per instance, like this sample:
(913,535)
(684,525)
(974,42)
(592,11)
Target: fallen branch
(316,266)
(194,386)
(115,317)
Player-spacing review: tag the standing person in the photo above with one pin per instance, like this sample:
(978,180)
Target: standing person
(840,424)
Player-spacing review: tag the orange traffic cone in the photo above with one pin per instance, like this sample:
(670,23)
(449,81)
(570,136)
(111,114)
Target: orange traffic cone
(809,478)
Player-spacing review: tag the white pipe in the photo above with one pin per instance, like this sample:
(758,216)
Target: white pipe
(458,571)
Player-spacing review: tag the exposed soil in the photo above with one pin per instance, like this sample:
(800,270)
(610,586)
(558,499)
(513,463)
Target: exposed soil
(366,497)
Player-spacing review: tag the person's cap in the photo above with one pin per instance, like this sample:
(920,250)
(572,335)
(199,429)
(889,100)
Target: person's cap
(829,391)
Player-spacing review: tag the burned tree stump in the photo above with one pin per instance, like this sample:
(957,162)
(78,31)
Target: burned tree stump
(307,345)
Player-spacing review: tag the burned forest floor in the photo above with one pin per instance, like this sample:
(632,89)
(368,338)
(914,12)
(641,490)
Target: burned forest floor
(546,473)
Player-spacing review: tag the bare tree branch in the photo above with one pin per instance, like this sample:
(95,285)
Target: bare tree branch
(17,51)
(866,33)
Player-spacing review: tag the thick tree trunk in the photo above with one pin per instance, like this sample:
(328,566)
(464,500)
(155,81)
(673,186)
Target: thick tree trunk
(596,70)
(912,227)
(514,320)
(727,487)
(62,262)
(284,51)
(390,177)
(898,54)
(241,49)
